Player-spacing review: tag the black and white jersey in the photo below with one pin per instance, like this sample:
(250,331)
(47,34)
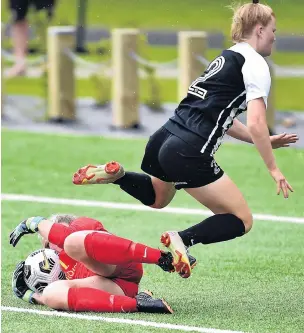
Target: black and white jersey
(236,77)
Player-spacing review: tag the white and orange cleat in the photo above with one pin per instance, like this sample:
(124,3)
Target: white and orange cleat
(174,243)
(98,174)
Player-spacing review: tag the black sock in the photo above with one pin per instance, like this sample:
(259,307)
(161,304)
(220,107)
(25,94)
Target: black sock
(139,186)
(216,228)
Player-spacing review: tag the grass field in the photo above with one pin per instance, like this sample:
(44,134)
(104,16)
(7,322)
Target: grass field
(252,284)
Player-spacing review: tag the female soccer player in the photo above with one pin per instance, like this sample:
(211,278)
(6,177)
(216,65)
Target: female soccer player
(103,271)
(181,153)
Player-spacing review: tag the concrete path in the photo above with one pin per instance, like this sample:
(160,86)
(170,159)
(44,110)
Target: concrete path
(27,113)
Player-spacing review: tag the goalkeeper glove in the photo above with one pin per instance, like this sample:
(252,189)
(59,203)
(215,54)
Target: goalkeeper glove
(20,289)
(28,226)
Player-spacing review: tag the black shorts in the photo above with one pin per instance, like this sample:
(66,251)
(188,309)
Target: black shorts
(170,159)
(19,8)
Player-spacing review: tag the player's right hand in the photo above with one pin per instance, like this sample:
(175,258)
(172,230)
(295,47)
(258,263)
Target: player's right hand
(282,183)
(28,226)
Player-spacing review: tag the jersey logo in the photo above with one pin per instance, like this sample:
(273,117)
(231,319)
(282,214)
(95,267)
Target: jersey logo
(71,272)
(181,183)
(214,67)
(216,168)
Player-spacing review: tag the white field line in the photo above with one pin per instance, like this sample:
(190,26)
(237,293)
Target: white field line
(136,207)
(118,320)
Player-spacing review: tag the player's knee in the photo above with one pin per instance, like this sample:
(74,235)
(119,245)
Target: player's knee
(247,219)
(159,205)
(49,298)
(53,298)
(74,245)
(163,200)
(164,193)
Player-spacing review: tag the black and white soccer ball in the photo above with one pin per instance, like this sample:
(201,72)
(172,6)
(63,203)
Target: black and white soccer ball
(38,273)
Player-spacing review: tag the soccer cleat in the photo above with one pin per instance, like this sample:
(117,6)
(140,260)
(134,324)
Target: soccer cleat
(165,262)
(146,303)
(174,243)
(98,174)
(192,260)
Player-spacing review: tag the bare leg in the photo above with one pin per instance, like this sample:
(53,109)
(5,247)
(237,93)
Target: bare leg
(98,294)
(222,197)
(20,30)
(74,247)
(232,216)
(55,295)
(232,219)
(164,193)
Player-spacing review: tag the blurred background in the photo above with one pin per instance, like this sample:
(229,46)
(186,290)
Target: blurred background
(59,64)
(25,80)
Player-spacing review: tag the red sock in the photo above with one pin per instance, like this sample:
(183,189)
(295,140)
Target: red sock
(113,250)
(58,233)
(89,299)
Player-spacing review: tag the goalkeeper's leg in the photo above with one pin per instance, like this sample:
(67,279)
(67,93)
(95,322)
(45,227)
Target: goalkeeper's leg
(98,294)
(94,293)
(101,252)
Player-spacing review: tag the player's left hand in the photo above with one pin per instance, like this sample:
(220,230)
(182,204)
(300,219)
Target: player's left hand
(28,226)
(18,284)
(20,289)
(283,140)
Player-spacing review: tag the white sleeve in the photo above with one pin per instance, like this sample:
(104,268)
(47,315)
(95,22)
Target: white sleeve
(257,79)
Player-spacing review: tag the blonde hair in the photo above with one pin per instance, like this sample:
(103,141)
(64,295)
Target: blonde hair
(57,218)
(246,17)
(62,218)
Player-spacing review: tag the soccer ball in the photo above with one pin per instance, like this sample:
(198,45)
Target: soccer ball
(38,274)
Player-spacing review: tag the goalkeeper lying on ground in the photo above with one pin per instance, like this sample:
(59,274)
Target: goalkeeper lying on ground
(103,271)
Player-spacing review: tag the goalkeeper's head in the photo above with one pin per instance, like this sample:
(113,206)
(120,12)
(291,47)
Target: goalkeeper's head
(65,219)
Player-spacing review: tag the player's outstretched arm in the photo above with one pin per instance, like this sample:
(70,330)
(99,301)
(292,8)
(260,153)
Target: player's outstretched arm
(240,131)
(42,226)
(28,226)
(257,126)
